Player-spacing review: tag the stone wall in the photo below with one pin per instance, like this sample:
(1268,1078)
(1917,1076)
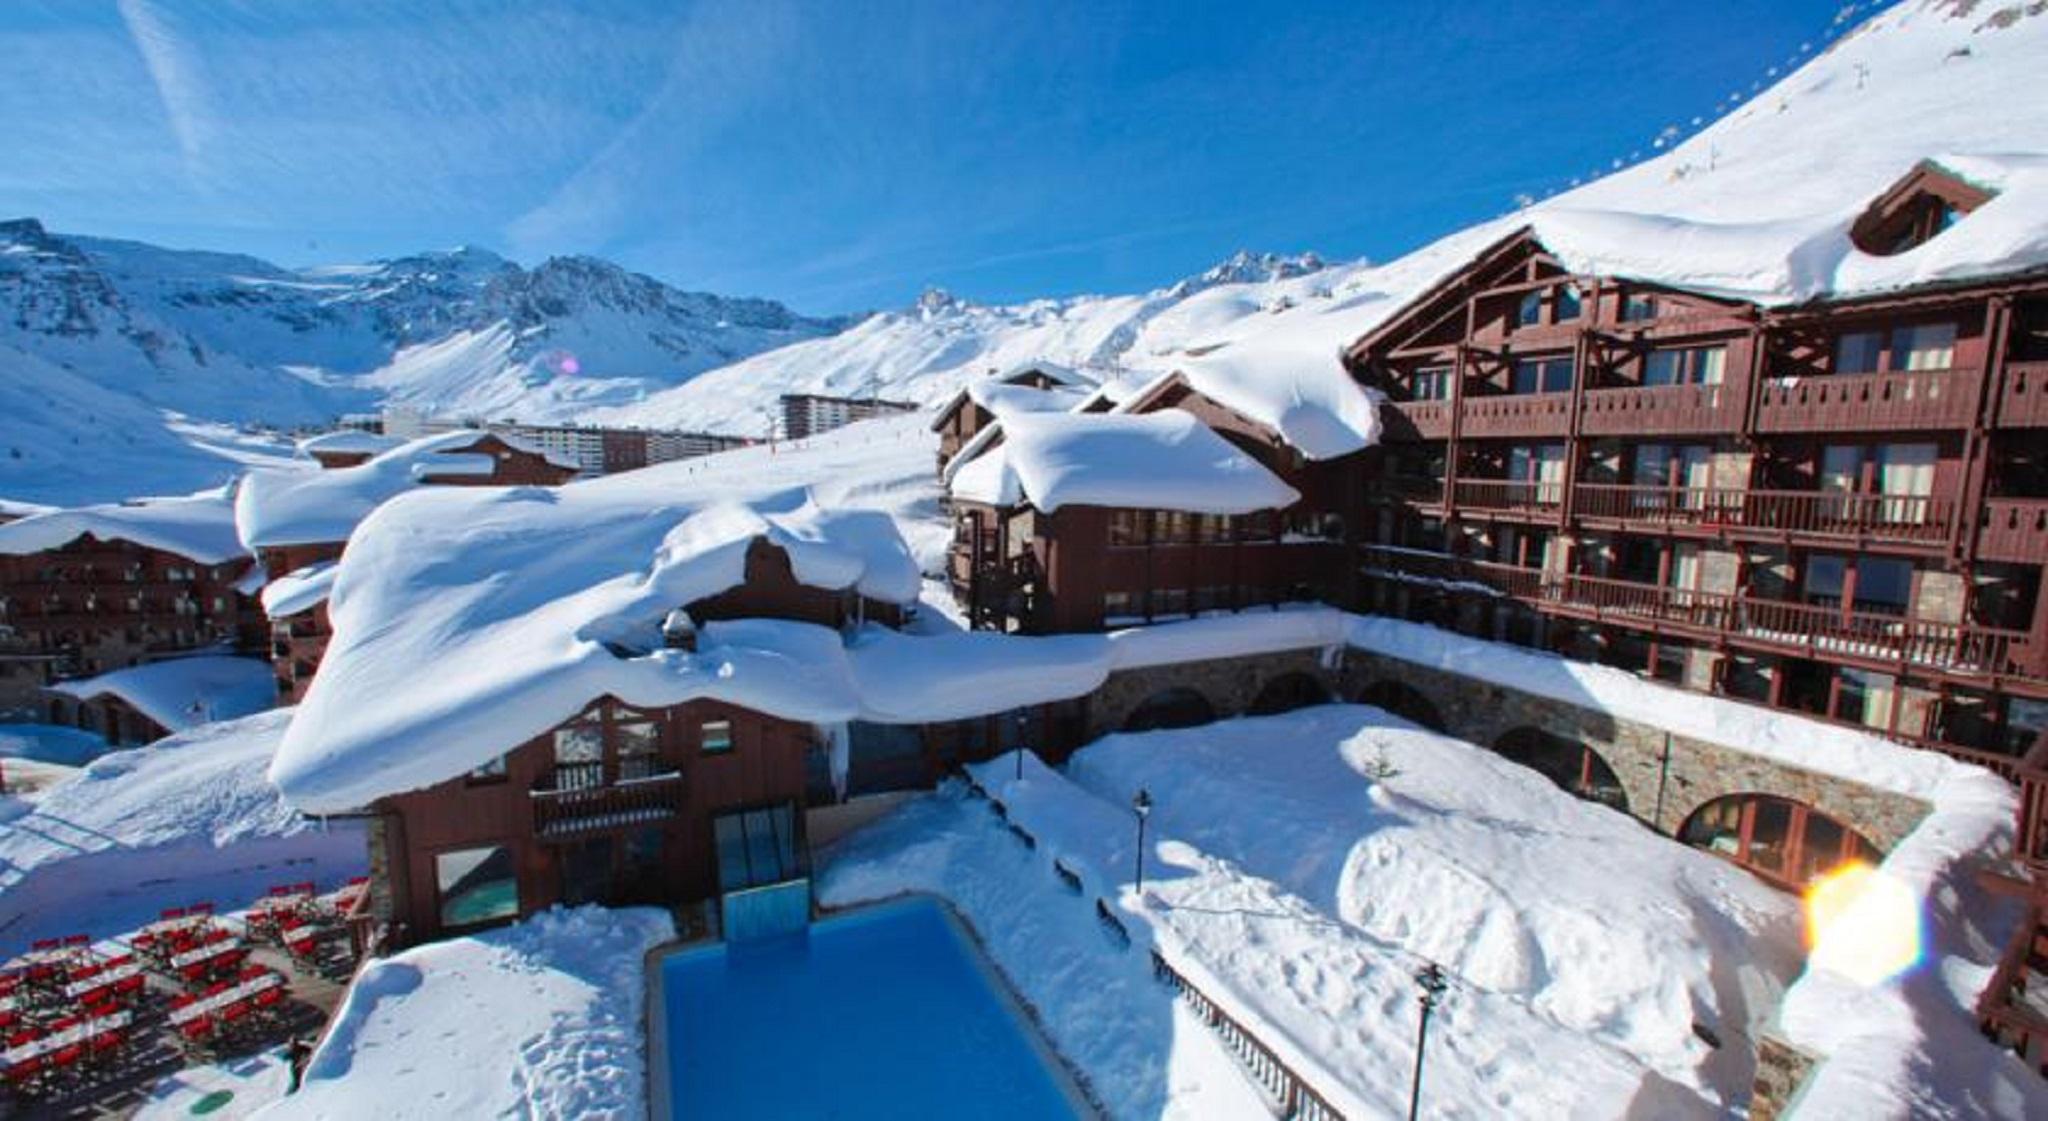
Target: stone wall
(1780,1070)
(1665,777)
(1229,685)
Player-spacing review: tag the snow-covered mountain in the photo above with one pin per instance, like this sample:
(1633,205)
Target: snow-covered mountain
(100,339)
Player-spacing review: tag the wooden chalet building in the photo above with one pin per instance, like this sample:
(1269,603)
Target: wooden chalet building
(300,630)
(1034,386)
(87,591)
(1016,566)
(1838,508)
(619,804)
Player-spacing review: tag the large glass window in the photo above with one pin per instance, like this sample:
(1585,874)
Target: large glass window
(1924,346)
(639,747)
(1695,365)
(476,885)
(579,756)
(1883,584)
(756,847)
(1542,375)
(1859,352)
(1570,305)
(1433,383)
(1126,527)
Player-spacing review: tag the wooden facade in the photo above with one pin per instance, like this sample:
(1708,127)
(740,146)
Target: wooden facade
(1837,509)
(92,606)
(617,804)
(1081,568)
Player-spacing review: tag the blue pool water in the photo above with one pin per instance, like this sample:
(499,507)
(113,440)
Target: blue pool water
(886,1012)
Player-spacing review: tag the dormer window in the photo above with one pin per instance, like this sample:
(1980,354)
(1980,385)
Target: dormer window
(1915,210)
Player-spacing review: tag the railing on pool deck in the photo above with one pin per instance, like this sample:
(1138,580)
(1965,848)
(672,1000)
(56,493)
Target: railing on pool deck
(1297,1098)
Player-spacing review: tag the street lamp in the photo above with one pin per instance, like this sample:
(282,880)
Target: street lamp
(1141,804)
(1431,978)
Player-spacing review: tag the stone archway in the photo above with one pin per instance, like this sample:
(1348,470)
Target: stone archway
(1405,701)
(1783,840)
(1176,707)
(1575,767)
(1288,692)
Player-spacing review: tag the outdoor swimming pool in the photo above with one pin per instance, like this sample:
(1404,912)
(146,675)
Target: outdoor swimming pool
(890,1011)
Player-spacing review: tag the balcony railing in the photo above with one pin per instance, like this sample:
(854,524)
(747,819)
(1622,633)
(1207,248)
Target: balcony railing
(2023,402)
(1811,630)
(1862,402)
(1510,494)
(575,798)
(1883,517)
(1518,414)
(1660,408)
(1419,420)
(2014,529)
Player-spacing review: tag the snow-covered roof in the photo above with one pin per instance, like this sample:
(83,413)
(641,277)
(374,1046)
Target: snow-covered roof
(299,590)
(1167,460)
(348,441)
(9,508)
(520,443)
(200,527)
(475,618)
(182,693)
(1056,372)
(276,508)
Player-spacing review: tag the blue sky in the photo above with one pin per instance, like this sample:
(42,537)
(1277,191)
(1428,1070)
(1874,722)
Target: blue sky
(845,155)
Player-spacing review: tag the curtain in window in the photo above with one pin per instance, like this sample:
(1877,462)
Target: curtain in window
(1905,475)
(1925,346)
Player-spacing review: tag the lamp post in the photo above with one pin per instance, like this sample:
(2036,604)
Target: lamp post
(1431,978)
(1141,804)
(1022,723)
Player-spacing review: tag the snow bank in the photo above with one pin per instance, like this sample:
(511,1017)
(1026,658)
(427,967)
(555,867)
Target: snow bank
(189,817)
(315,507)
(538,1019)
(348,441)
(200,527)
(183,693)
(1166,460)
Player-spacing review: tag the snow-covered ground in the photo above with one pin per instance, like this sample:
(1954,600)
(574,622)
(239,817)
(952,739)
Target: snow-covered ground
(541,1019)
(1303,891)
(188,818)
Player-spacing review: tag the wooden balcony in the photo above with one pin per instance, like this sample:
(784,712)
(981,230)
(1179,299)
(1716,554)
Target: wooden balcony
(1542,500)
(1868,402)
(1413,489)
(2013,529)
(1832,515)
(2023,401)
(1417,420)
(1531,415)
(1661,408)
(574,799)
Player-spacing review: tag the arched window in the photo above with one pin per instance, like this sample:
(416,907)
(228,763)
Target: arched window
(1179,707)
(1288,692)
(1574,767)
(1786,842)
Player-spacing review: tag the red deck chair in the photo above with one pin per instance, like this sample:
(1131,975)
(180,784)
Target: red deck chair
(23,1073)
(303,887)
(71,1052)
(169,913)
(234,1013)
(267,997)
(205,908)
(41,944)
(74,940)
(197,1031)
(107,1042)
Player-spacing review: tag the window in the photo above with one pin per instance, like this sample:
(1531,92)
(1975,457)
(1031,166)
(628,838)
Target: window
(1529,312)
(1926,346)
(1169,601)
(1636,309)
(1859,352)
(1212,597)
(1826,576)
(1126,527)
(1175,527)
(1866,698)
(714,737)
(1211,528)
(1542,375)
(1697,365)
(639,748)
(756,847)
(579,756)
(1883,584)
(1255,526)
(493,771)
(1570,305)
(1433,383)
(1540,464)
(476,885)
(1118,605)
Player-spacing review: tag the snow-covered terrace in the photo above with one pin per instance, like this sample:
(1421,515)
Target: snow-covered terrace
(183,693)
(276,508)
